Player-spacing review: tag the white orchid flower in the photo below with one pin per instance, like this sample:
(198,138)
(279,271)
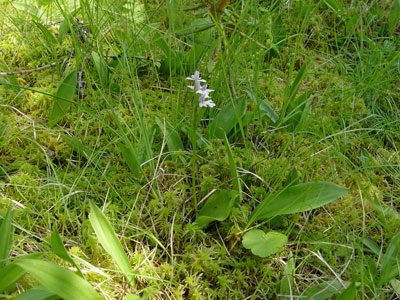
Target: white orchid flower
(197,79)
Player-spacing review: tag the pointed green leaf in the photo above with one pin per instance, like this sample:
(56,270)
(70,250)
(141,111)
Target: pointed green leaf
(323,290)
(391,261)
(109,240)
(394,17)
(174,141)
(264,244)
(6,236)
(217,208)
(227,118)
(64,94)
(58,280)
(9,275)
(131,160)
(234,174)
(350,293)
(59,249)
(37,293)
(297,198)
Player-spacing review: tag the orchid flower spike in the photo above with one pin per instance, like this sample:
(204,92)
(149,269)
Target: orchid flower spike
(202,90)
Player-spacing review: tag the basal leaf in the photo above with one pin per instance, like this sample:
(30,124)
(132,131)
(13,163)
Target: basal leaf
(131,159)
(227,118)
(59,249)
(264,244)
(109,240)
(217,208)
(37,293)
(5,236)
(391,261)
(9,275)
(64,94)
(173,139)
(323,290)
(350,293)
(297,198)
(58,280)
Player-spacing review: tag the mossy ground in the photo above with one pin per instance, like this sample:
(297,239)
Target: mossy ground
(351,138)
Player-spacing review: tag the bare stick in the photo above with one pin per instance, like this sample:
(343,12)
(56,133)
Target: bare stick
(30,70)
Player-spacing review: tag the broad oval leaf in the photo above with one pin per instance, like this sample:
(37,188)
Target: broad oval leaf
(217,208)
(297,198)
(264,244)
(109,240)
(63,98)
(58,280)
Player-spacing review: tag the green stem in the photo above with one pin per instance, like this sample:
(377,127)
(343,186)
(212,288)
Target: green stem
(194,161)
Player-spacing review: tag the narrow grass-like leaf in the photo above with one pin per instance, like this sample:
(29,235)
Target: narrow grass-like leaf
(109,240)
(297,198)
(174,15)
(37,293)
(227,118)
(58,280)
(6,236)
(217,208)
(293,178)
(394,17)
(64,94)
(59,249)
(234,174)
(101,68)
(391,261)
(77,146)
(264,244)
(290,92)
(287,282)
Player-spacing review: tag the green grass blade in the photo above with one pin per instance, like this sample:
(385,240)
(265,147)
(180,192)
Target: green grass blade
(64,94)
(58,280)
(234,174)
(109,240)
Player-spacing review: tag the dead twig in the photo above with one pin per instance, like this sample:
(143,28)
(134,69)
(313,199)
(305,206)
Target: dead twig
(30,70)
